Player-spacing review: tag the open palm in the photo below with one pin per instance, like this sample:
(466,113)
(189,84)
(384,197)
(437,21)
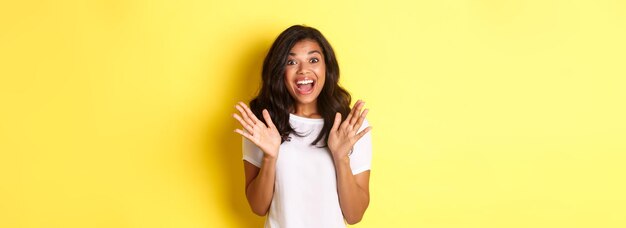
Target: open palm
(344,135)
(266,137)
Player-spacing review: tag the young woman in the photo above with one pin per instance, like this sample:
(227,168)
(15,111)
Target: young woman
(306,155)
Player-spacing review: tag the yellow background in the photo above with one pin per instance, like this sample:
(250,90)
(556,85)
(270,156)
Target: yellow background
(486,113)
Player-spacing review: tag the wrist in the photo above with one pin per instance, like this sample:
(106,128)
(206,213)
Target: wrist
(341,159)
(267,158)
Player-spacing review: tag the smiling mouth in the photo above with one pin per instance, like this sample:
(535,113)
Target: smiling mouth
(305,86)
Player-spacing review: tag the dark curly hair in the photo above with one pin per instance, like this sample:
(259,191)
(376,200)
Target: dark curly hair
(274,96)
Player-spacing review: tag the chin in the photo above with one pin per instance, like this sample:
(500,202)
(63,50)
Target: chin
(306,100)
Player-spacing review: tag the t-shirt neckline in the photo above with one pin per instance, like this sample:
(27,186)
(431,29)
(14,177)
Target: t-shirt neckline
(304,119)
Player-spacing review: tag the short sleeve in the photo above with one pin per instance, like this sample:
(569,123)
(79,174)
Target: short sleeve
(251,152)
(361,157)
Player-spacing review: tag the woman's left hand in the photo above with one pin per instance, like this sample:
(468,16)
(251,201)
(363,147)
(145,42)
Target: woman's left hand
(344,135)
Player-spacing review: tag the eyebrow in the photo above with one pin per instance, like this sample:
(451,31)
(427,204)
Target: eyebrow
(311,52)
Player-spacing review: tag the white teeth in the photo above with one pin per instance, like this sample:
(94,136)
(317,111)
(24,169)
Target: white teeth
(304,82)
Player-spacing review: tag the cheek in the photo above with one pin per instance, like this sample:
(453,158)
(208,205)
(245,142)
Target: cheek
(321,81)
(321,72)
(288,75)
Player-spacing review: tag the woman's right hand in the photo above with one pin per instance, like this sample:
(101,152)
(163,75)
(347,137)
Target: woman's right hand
(266,137)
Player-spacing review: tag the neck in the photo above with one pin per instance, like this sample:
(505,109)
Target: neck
(307,110)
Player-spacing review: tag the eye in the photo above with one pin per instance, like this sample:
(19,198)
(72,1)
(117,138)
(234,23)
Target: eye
(291,62)
(314,60)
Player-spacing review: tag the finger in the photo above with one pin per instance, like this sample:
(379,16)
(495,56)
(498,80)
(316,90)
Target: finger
(353,113)
(357,110)
(238,118)
(352,110)
(245,134)
(268,119)
(249,112)
(336,123)
(346,122)
(245,125)
(244,115)
(362,133)
(359,123)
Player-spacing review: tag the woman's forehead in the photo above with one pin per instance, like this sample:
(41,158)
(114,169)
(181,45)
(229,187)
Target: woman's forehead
(306,47)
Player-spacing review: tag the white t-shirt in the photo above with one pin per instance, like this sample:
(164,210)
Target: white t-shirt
(305,189)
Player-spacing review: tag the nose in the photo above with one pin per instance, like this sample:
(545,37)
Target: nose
(303,68)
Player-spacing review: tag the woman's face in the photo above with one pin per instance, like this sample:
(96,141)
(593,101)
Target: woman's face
(305,72)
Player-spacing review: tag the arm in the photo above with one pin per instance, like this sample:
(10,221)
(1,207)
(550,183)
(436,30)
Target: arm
(259,181)
(354,196)
(353,190)
(260,185)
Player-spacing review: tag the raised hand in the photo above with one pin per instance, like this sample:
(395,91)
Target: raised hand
(344,135)
(266,137)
